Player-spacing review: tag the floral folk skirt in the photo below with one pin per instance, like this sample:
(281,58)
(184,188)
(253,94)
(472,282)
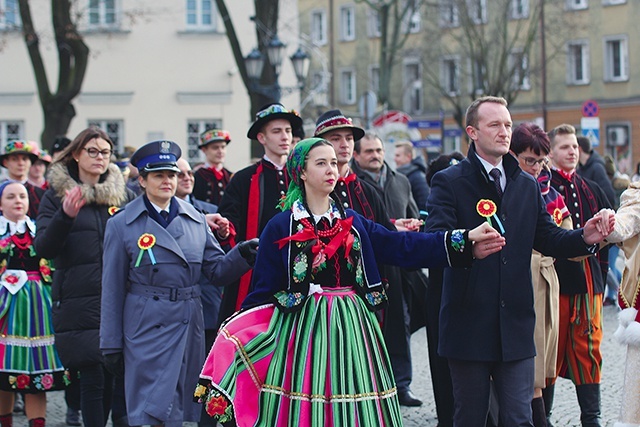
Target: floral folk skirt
(29,361)
(323,365)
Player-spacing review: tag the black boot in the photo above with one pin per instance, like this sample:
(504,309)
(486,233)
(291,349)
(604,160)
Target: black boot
(539,415)
(547,396)
(589,400)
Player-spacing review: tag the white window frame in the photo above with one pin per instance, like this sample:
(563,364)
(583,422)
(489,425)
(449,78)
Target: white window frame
(609,54)
(116,135)
(347,23)
(517,55)
(318,34)
(7,133)
(572,47)
(348,89)
(450,83)
(476,76)
(448,14)
(613,2)
(576,4)
(199,13)
(9,8)
(373,24)
(103,12)
(477,16)
(519,9)
(413,87)
(195,127)
(411,23)
(374,78)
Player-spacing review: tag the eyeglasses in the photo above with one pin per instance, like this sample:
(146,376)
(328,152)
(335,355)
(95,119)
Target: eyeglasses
(93,152)
(183,174)
(530,161)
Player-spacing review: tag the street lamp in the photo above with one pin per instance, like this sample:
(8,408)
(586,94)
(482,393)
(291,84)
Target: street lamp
(255,62)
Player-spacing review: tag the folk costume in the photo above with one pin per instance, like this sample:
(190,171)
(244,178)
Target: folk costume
(581,292)
(29,362)
(151,311)
(308,350)
(251,200)
(34,192)
(627,234)
(546,289)
(211,182)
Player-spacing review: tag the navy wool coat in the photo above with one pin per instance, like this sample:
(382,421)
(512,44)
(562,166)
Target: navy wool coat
(487,310)
(162,340)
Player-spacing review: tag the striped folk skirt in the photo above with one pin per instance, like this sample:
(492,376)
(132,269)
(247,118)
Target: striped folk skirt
(29,361)
(323,365)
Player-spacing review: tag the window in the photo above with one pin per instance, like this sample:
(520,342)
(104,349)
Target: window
(449,75)
(319,27)
(10,130)
(613,2)
(519,9)
(478,11)
(448,13)
(616,59)
(201,15)
(374,78)
(103,14)
(576,4)
(413,95)
(519,67)
(347,23)
(319,89)
(194,129)
(477,73)
(411,19)
(348,87)
(9,15)
(374,25)
(578,62)
(115,130)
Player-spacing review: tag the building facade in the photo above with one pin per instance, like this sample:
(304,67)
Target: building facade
(157,69)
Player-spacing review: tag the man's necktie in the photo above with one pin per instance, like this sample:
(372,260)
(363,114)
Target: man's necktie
(495,174)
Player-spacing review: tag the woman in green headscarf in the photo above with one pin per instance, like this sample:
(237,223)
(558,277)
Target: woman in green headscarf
(306,349)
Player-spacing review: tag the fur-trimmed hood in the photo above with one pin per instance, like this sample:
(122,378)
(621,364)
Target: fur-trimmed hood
(110,191)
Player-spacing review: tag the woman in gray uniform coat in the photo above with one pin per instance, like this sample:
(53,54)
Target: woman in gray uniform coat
(152,324)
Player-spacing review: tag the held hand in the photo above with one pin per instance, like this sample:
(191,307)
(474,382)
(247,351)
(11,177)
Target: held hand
(249,250)
(486,241)
(599,227)
(408,224)
(219,224)
(483,232)
(73,202)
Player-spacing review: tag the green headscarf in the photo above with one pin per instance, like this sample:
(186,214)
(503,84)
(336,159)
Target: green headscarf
(295,166)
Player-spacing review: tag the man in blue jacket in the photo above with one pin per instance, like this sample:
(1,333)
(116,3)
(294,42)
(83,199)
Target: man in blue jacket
(487,317)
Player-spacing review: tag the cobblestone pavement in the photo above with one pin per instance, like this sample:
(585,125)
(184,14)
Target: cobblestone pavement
(566,411)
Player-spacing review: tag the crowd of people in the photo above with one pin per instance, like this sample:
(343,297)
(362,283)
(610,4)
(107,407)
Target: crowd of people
(301,276)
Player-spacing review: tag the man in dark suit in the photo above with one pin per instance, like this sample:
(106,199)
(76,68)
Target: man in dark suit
(487,317)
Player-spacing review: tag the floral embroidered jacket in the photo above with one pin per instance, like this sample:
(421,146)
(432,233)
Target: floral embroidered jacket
(287,261)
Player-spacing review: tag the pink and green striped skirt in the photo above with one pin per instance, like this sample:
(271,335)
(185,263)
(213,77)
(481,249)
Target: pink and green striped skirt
(29,361)
(323,365)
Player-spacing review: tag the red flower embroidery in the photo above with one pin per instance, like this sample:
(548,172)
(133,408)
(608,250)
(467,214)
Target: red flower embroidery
(47,381)
(486,208)
(12,280)
(557,216)
(217,405)
(22,381)
(44,270)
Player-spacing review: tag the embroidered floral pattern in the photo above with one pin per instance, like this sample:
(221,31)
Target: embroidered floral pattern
(375,298)
(45,270)
(359,275)
(218,406)
(21,382)
(300,265)
(289,299)
(43,382)
(457,240)
(319,262)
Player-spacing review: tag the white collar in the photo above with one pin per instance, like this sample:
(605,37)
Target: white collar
(7,226)
(278,167)
(488,167)
(300,212)
(158,208)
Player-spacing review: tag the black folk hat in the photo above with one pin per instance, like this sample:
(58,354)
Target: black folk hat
(272,112)
(334,119)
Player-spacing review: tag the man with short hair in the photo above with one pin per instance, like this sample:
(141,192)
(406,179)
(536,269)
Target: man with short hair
(581,282)
(487,317)
(592,167)
(412,167)
(251,198)
(395,191)
(212,178)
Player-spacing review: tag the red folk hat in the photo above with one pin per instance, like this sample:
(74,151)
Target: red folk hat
(214,135)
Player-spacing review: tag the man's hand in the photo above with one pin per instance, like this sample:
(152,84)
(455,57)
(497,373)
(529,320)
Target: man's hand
(408,224)
(218,224)
(486,241)
(599,227)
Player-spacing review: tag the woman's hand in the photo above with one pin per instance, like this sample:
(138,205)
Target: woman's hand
(73,202)
(219,224)
(408,224)
(599,226)
(486,241)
